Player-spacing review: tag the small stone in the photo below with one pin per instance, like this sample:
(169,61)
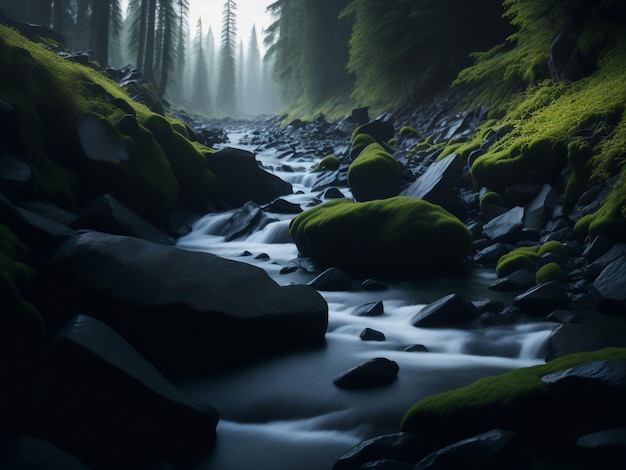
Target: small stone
(369,334)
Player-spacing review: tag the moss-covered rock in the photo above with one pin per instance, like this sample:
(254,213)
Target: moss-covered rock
(526,257)
(197,184)
(518,401)
(359,143)
(397,236)
(328,163)
(556,247)
(550,272)
(610,219)
(408,131)
(375,174)
(21,326)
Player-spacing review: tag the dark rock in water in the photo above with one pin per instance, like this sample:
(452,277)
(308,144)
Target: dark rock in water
(373,285)
(308,265)
(41,233)
(562,316)
(368,334)
(184,311)
(374,373)
(327,179)
(371,309)
(240,179)
(281,206)
(543,298)
(506,227)
(333,193)
(488,305)
(107,214)
(448,311)
(571,338)
(401,446)
(438,181)
(604,373)
(15,176)
(246,220)
(387,464)
(333,279)
(538,211)
(609,288)
(491,254)
(99,140)
(96,396)
(607,446)
(416,348)
(494,450)
(25,451)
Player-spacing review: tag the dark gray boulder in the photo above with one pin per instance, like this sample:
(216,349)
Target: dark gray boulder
(369,334)
(448,311)
(543,298)
(506,227)
(609,288)
(598,247)
(401,446)
(240,179)
(15,176)
(332,279)
(438,181)
(107,214)
(183,310)
(562,315)
(93,394)
(245,221)
(382,131)
(493,450)
(517,281)
(370,309)
(594,269)
(25,451)
(607,446)
(603,373)
(376,372)
(538,211)
(571,338)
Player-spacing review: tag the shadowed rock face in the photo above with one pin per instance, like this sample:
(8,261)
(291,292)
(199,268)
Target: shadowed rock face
(184,311)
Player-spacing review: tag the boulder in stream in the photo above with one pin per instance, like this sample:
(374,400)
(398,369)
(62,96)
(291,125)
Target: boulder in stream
(184,311)
(373,373)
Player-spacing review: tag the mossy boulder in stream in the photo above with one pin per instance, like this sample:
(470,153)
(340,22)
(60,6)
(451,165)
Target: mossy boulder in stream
(396,236)
(375,174)
(548,418)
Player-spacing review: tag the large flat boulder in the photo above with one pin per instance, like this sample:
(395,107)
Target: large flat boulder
(185,311)
(438,181)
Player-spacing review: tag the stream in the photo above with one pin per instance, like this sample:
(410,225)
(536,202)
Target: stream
(285,413)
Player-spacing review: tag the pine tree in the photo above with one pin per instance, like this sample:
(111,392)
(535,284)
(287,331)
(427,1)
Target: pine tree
(200,100)
(253,77)
(227,80)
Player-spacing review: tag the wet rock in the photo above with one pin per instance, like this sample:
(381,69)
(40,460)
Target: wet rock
(562,316)
(521,194)
(240,179)
(327,179)
(517,281)
(184,311)
(369,334)
(543,298)
(373,285)
(609,288)
(615,252)
(605,373)
(50,211)
(95,395)
(107,214)
(507,227)
(607,446)
(448,311)
(359,116)
(246,220)
(15,176)
(371,309)
(598,247)
(333,193)
(493,450)
(416,348)
(538,211)
(333,279)
(387,464)
(491,254)
(381,131)
(437,183)
(25,451)
(488,305)
(99,140)
(571,338)
(401,446)
(376,372)
(281,206)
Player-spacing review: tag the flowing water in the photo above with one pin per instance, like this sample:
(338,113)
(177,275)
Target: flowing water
(284,413)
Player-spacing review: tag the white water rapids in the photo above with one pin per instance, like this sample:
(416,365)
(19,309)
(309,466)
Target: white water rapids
(285,413)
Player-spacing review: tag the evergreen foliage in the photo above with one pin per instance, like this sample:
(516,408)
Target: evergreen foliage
(227,82)
(200,100)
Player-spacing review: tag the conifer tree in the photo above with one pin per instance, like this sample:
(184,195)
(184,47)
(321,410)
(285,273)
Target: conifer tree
(200,100)
(227,81)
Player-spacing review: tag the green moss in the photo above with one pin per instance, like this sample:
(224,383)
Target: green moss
(555,247)
(518,401)
(492,198)
(610,219)
(550,272)
(359,143)
(375,174)
(22,328)
(521,258)
(396,236)
(407,131)
(197,184)
(328,163)
(579,158)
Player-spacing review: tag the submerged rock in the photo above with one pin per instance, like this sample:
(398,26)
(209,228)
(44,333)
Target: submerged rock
(374,373)
(448,311)
(183,310)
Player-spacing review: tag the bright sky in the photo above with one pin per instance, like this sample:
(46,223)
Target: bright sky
(249,12)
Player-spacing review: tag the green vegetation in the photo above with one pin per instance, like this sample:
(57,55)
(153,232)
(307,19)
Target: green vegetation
(550,272)
(526,257)
(397,236)
(374,174)
(328,163)
(518,401)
